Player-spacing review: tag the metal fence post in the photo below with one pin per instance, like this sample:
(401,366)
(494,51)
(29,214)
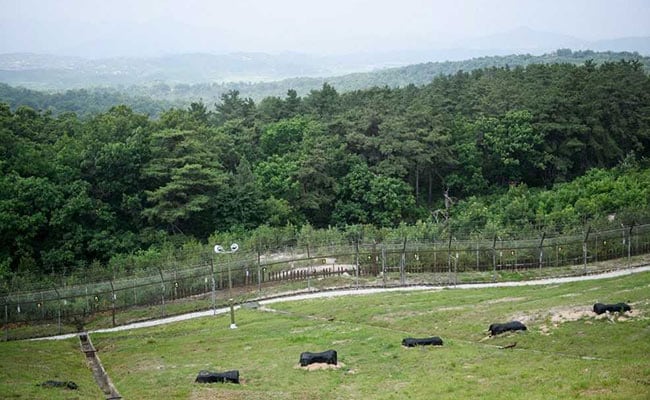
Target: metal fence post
(113,298)
(456,268)
(162,296)
(383,264)
(356,260)
(6,320)
(541,251)
(494,259)
(629,245)
(309,260)
(584,248)
(449,259)
(213,294)
(58,296)
(259,271)
(402,265)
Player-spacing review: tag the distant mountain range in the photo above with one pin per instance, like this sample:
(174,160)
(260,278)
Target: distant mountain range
(154,98)
(52,72)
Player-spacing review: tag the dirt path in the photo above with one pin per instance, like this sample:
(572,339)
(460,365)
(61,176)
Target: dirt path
(360,291)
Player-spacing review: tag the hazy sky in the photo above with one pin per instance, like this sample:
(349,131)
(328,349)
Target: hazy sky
(146,27)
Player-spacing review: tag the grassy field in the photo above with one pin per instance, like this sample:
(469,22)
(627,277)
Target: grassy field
(566,353)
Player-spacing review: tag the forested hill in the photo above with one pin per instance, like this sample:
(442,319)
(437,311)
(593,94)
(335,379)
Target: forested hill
(74,191)
(420,74)
(83,102)
(150,98)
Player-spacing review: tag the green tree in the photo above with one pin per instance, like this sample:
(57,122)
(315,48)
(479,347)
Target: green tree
(185,175)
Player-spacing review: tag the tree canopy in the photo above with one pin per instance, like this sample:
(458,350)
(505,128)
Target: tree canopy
(494,142)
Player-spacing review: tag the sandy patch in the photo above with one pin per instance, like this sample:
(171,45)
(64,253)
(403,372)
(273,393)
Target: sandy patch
(320,366)
(553,317)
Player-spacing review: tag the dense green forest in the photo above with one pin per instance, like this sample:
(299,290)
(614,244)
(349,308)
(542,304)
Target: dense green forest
(492,150)
(82,102)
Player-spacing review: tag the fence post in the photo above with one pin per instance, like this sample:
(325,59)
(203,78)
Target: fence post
(6,320)
(213,291)
(402,265)
(309,269)
(449,258)
(584,248)
(477,256)
(356,260)
(435,257)
(162,296)
(494,259)
(541,251)
(58,296)
(88,301)
(456,269)
(259,271)
(229,280)
(383,263)
(113,300)
(629,245)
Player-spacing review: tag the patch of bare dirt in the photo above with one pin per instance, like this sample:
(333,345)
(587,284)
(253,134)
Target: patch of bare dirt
(320,366)
(556,316)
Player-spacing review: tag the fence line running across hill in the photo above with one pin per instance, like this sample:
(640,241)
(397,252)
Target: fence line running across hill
(220,279)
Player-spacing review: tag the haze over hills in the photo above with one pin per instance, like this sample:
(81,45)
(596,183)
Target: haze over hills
(152,99)
(56,72)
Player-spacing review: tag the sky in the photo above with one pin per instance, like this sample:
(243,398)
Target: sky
(96,28)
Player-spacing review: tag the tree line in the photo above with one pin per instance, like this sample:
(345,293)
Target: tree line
(154,97)
(490,150)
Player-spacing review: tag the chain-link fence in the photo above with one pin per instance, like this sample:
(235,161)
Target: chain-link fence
(212,280)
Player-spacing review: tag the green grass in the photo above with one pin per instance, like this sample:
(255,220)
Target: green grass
(589,357)
(25,365)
